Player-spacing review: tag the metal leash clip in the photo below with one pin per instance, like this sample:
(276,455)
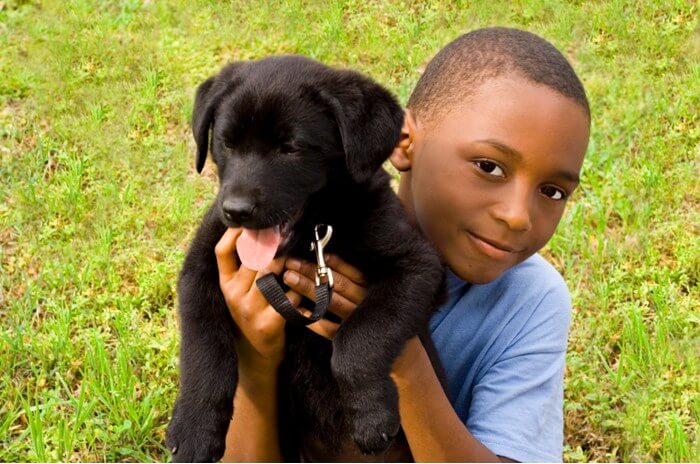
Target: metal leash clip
(322,271)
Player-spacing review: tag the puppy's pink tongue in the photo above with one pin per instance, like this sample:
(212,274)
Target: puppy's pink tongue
(257,248)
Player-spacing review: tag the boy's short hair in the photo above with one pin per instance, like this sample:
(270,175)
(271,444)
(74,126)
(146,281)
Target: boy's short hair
(469,60)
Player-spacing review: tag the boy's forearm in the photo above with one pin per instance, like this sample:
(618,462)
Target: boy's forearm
(433,429)
(252,435)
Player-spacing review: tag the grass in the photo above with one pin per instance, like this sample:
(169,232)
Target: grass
(100,198)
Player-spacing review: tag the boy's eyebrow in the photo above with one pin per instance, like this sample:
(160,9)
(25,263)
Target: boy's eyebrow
(503,148)
(570,176)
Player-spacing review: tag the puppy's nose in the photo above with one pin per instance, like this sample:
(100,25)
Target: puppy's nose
(238,209)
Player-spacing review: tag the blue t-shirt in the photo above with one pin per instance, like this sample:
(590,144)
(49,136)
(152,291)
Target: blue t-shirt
(503,346)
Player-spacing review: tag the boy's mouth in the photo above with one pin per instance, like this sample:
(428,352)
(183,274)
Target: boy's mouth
(495,250)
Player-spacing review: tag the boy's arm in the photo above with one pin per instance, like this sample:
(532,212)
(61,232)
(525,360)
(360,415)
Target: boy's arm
(252,434)
(433,429)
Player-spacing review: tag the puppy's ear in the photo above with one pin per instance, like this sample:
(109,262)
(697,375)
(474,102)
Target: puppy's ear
(206,101)
(369,119)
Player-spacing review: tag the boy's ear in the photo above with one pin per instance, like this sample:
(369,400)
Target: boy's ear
(369,119)
(207,99)
(402,156)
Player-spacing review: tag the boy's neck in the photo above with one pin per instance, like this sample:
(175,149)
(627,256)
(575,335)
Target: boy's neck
(406,196)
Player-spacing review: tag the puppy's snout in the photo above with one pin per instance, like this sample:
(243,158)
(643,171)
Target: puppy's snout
(238,209)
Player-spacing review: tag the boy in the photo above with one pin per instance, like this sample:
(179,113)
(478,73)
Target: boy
(492,145)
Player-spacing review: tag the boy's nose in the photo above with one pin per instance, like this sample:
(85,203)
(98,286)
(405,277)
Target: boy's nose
(515,212)
(518,221)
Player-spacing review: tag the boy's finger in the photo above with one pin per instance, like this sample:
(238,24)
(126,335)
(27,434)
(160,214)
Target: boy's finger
(305,268)
(340,305)
(347,288)
(275,267)
(342,286)
(293,297)
(225,254)
(349,271)
(301,284)
(323,327)
(245,277)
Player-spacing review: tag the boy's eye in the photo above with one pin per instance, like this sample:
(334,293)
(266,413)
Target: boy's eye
(553,192)
(491,168)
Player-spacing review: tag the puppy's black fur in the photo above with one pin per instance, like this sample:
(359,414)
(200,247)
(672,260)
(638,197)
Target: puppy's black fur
(298,143)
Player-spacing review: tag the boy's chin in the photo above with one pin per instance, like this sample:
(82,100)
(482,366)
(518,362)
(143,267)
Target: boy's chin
(478,278)
(481,273)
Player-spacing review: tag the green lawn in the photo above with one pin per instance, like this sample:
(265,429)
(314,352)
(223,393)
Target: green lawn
(99,199)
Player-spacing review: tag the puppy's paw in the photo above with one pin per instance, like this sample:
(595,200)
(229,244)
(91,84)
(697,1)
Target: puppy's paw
(374,431)
(196,436)
(372,407)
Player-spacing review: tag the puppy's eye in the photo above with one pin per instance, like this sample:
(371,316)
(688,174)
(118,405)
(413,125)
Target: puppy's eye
(286,148)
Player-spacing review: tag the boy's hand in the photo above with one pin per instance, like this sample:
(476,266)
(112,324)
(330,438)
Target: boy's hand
(348,289)
(260,329)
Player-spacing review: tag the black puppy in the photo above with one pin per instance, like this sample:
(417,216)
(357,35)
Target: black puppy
(296,144)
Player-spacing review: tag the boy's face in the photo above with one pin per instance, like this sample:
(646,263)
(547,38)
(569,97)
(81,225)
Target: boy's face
(487,183)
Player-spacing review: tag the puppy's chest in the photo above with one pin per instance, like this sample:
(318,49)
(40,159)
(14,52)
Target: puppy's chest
(345,240)
(310,406)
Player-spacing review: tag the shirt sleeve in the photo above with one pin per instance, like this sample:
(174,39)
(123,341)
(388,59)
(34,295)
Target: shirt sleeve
(517,402)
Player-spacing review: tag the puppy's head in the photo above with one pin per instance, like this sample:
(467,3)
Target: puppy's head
(280,127)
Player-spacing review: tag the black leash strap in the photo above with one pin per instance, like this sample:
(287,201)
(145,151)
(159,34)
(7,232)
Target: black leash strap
(273,293)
